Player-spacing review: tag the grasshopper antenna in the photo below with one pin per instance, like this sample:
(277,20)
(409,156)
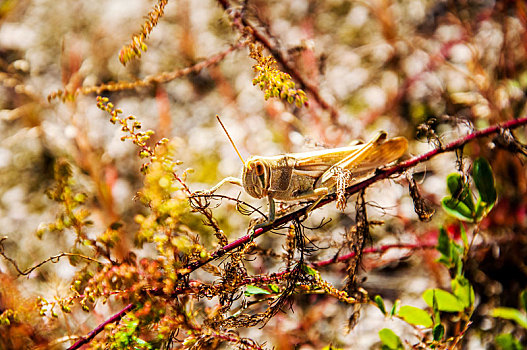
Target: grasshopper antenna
(229,136)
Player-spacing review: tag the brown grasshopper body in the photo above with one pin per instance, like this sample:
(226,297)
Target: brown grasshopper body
(312,175)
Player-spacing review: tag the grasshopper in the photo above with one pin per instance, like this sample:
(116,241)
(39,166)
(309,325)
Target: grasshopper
(312,175)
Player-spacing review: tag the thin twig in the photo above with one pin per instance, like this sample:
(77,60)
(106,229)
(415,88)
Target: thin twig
(152,79)
(241,22)
(373,250)
(54,259)
(238,201)
(278,275)
(115,318)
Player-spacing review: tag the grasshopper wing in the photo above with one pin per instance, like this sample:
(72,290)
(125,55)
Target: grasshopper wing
(371,155)
(387,152)
(316,163)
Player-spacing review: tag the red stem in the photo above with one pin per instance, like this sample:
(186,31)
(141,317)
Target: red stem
(99,328)
(372,250)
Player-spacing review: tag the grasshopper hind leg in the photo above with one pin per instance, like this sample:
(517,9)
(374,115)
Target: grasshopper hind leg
(321,193)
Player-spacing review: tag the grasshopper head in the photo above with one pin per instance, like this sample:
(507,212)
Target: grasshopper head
(255,177)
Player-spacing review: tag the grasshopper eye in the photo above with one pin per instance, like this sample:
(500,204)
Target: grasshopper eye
(259,169)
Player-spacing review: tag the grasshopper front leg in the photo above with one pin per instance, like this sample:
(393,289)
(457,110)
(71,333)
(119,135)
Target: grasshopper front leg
(271,217)
(230,179)
(237,181)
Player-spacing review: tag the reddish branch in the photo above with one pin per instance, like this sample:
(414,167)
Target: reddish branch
(276,276)
(252,280)
(161,78)
(374,250)
(242,23)
(99,328)
(380,175)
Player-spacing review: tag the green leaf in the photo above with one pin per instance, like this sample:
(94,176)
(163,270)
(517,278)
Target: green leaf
(456,251)
(142,344)
(508,342)
(380,304)
(415,316)
(443,243)
(454,184)
(467,198)
(482,209)
(445,300)
(390,340)
(395,307)
(451,252)
(511,314)
(460,190)
(457,209)
(523,300)
(435,310)
(438,332)
(274,288)
(484,180)
(309,270)
(252,290)
(463,291)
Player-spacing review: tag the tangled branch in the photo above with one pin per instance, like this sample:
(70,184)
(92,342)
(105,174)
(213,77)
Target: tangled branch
(54,259)
(381,174)
(150,80)
(296,215)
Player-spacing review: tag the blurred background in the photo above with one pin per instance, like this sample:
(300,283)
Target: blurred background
(431,71)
